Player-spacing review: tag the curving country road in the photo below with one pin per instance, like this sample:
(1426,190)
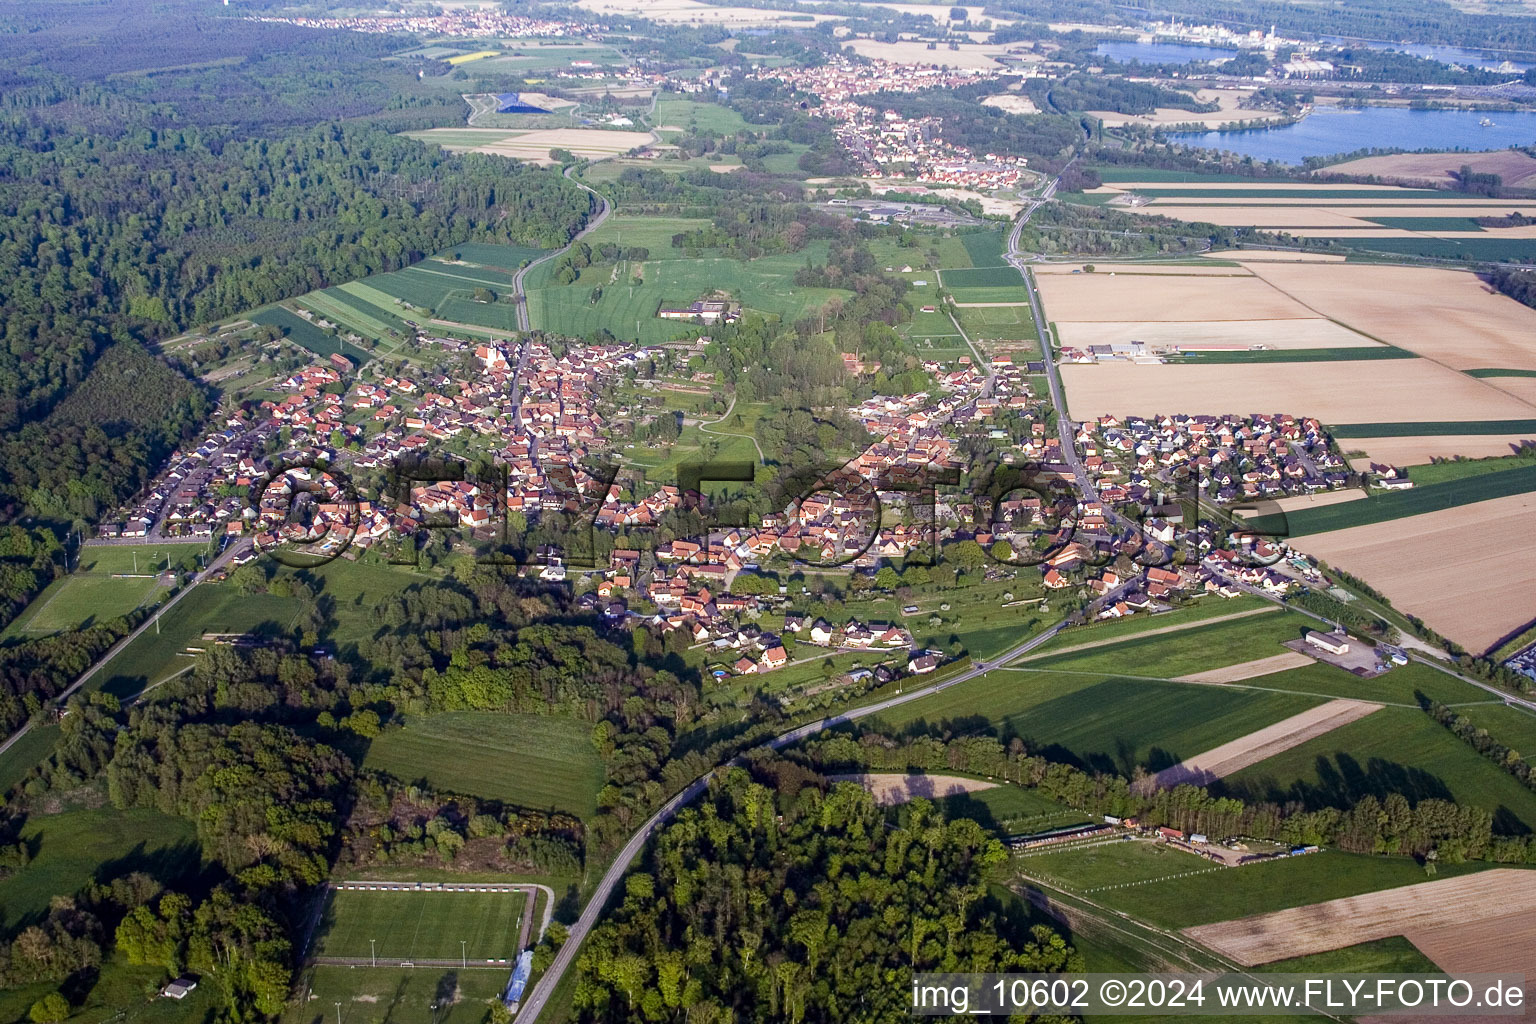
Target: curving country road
(604,208)
(218,563)
(539,996)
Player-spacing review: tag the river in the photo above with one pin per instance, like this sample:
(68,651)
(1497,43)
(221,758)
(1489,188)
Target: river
(1161,53)
(1330,130)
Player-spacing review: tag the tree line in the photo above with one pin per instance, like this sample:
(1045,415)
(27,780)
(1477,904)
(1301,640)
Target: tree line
(1429,828)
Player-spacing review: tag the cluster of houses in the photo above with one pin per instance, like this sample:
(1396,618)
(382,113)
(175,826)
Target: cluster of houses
(1236,458)
(886,143)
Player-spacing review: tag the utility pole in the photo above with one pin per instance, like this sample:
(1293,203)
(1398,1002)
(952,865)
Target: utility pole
(338,1013)
(373,952)
(463,957)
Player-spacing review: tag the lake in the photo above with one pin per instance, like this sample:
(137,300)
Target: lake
(1161,53)
(1331,130)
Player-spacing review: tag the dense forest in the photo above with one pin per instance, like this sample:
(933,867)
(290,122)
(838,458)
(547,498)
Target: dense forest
(737,914)
(135,205)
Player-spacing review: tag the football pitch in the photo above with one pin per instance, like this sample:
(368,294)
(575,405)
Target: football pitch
(426,925)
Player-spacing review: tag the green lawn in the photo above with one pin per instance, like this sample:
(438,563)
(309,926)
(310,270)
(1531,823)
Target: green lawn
(1384,956)
(1490,371)
(1429,224)
(420,925)
(985,248)
(1394,750)
(1434,428)
(531,761)
(653,233)
(706,117)
(1110,864)
(1460,469)
(1105,724)
(1197,649)
(305,334)
(72,848)
(26,753)
(1009,810)
(1379,508)
(763,285)
(1514,727)
(120,991)
(396,995)
(215,608)
(76,600)
(1238,892)
(982,278)
(1110,629)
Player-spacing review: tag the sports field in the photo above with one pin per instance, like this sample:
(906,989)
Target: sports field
(533,761)
(83,598)
(396,995)
(420,925)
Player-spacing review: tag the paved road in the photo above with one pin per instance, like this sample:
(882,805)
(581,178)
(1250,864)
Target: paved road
(539,995)
(117,648)
(604,208)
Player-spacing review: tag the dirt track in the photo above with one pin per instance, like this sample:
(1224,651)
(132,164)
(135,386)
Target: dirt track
(1229,758)
(1248,669)
(891,788)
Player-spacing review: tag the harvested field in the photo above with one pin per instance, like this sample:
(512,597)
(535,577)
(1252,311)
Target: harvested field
(1466,571)
(1261,256)
(1249,669)
(1523,388)
(1385,390)
(1257,746)
(1409,451)
(1012,103)
(691,12)
(1513,166)
(1447,315)
(1175,269)
(1206,183)
(1501,944)
(1117,298)
(891,789)
(1274,334)
(1320,927)
(534,146)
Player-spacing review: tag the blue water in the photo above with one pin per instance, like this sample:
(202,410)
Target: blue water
(1161,53)
(1330,130)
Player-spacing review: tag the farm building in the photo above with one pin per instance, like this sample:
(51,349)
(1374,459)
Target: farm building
(1330,642)
(513,103)
(707,310)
